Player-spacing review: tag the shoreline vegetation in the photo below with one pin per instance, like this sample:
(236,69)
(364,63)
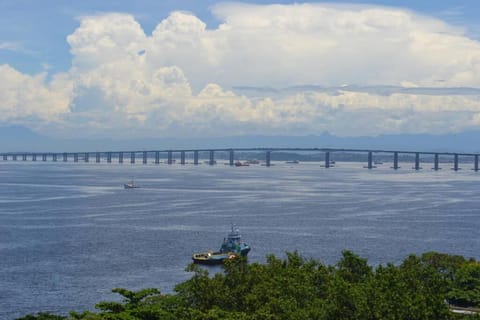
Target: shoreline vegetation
(431,286)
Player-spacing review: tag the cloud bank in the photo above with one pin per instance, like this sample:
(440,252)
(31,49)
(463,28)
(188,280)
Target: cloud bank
(349,70)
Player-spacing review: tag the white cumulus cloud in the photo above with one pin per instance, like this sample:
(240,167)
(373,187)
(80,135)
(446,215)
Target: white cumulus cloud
(25,96)
(179,81)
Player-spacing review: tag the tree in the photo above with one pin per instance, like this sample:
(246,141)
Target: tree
(42,316)
(296,288)
(353,268)
(466,286)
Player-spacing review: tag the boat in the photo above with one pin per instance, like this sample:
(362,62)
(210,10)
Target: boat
(241,164)
(293,162)
(130,185)
(231,248)
(210,162)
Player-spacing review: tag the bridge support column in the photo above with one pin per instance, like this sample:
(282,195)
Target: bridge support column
(327,159)
(370,160)
(24,157)
(86,157)
(5,157)
(157,157)
(54,157)
(144,160)
(417,161)
(182,158)
(120,157)
(395,161)
(170,157)
(212,158)
(455,162)
(475,165)
(195,157)
(132,157)
(14,157)
(436,167)
(75,157)
(65,157)
(34,157)
(97,157)
(232,156)
(268,155)
(109,157)
(44,157)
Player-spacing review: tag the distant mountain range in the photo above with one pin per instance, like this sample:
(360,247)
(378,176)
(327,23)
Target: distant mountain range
(377,90)
(21,139)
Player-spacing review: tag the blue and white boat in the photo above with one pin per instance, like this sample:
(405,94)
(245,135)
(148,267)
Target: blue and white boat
(231,248)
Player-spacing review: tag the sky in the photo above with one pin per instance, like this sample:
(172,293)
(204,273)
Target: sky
(146,68)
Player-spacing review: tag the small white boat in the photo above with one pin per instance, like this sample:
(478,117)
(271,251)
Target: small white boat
(131,185)
(241,164)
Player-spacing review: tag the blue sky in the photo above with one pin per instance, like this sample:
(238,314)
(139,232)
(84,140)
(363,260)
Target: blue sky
(204,68)
(39,28)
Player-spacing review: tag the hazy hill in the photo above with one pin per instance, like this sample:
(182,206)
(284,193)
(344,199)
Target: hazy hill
(17,139)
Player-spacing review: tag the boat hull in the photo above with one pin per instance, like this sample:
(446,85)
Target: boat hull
(217,258)
(211,258)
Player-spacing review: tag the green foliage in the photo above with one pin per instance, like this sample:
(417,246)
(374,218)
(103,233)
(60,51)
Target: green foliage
(298,288)
(353,268)
(444,263)
(466,286)
(424,289)
(462,276)
(42,316)
(132,300)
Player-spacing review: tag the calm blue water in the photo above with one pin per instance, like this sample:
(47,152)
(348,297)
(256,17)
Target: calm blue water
(69,233)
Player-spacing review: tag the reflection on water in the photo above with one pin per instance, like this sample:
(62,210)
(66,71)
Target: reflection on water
(69,233)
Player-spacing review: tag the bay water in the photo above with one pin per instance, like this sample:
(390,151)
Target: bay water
(70,232)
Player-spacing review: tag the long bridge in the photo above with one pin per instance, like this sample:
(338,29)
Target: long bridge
(143,155)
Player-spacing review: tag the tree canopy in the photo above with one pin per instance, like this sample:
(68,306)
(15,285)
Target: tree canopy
(421,287)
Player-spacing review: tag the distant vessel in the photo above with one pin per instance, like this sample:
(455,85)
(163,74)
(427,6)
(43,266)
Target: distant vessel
(293,162)
(208,162)
(241,164)
(231,248)
(131,185)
